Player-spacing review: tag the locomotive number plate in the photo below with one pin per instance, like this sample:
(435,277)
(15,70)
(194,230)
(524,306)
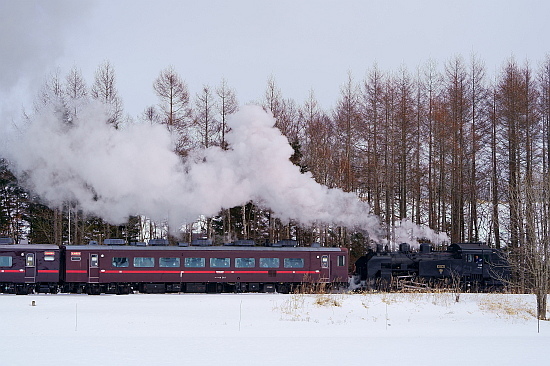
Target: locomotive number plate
(440,266)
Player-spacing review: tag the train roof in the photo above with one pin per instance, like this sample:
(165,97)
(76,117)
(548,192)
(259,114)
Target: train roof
(470,246)
(29,247)
(205,248)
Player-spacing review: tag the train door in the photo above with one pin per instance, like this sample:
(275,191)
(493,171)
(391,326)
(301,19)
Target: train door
(325,268)
(93,268)
(30,268)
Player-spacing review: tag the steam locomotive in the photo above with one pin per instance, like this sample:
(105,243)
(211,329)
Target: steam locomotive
(117,268)
(473,266)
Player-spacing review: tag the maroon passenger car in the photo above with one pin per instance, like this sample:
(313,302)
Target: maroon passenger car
(27,268)
(120,269)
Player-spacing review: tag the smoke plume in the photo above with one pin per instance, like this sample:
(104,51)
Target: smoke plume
(114,173)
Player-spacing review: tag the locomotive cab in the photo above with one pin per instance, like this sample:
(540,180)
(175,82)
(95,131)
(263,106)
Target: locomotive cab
(481,264)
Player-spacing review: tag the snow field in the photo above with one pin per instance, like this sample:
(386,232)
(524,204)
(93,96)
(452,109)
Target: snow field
(271,329)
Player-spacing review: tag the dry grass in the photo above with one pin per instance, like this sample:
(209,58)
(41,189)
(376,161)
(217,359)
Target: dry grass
(506,308)
(293,308)
(328,300)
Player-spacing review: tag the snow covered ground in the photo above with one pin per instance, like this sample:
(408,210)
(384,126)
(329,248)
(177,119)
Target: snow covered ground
(271,329)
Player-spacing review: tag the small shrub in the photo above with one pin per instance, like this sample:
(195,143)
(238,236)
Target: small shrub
(327,300)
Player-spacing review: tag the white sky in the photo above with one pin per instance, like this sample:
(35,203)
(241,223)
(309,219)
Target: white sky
(304,44)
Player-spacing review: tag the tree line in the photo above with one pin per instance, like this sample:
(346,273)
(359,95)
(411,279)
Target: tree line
(448,147)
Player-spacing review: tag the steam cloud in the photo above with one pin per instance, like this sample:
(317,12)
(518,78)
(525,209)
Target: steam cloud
(116,173)
(34,35)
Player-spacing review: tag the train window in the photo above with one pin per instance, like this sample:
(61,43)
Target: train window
(147,262)
(245,262)
(324,261)
(5,261)
(169,262)
(269,262)
(94,260)
(120,262)
(341,260)
(220,262)
(294,263)
(75,259)
(30,260)
(469,258)
(194,262)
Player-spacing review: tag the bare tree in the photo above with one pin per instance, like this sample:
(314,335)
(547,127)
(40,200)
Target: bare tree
(104,90)
(510,111)
(371,132)
(347,119)
(76,91)
(151,115)
(431,82)
(205,121)
(458,108)
(533,258)
(495,177)
(317,141)
(389,100)
(174,104)
(405,141)
(477,129)
(273,100)
(227,105)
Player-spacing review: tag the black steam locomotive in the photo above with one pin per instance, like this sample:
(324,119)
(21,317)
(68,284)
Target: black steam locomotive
(473,266)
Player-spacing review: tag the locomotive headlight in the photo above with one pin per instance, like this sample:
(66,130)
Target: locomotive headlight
(103,255)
